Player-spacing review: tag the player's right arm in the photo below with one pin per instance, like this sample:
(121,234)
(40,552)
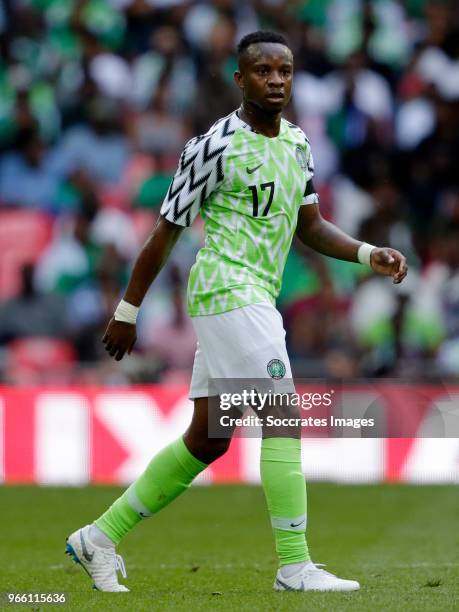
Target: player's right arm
(120,336)
(198,174)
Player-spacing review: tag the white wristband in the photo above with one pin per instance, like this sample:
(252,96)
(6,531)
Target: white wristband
(364,253)
(126,312)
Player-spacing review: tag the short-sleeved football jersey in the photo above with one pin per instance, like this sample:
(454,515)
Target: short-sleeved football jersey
(248,189)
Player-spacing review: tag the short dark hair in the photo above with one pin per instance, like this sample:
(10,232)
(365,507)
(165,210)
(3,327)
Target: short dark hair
(260,36)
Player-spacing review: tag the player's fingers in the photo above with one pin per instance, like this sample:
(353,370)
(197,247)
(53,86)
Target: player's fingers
(401,261)
(400,275)
(401,271)
(113,350)
(387,257)
(108,345)
(119,355)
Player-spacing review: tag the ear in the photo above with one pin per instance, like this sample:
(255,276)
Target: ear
(239,79)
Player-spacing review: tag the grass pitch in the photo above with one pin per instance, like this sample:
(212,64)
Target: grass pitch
(212,549)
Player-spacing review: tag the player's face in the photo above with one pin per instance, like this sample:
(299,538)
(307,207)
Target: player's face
(265,76)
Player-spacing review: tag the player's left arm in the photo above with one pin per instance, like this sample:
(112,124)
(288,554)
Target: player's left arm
(324,237)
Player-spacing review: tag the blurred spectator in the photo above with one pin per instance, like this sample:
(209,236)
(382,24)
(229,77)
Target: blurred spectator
(71,258)
(32,313)
(173,342)
(28,176)
(434,168)
(319,337)
(438,297)
(99,147)
(91,305)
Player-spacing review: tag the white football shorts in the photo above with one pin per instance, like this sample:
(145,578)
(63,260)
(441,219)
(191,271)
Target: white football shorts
(247,343)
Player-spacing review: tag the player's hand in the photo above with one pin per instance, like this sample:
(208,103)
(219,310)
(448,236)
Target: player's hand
(119,338)
(390,263)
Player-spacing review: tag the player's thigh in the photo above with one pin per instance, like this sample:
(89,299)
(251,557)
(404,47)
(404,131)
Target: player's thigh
(199,436)
(199,387)
(247,343)
(245,349)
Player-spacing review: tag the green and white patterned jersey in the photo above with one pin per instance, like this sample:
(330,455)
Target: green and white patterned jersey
(248,189)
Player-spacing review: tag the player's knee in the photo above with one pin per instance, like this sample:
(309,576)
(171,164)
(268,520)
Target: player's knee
(282,420)
(215,448)
(208,450)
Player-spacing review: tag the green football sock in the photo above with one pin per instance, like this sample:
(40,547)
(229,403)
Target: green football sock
(285,491)
(168,474)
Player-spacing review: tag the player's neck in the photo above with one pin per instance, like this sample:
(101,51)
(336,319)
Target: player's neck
(262,122)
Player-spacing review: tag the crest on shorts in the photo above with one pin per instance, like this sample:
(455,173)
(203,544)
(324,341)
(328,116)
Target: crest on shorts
(301,157)
(276,369)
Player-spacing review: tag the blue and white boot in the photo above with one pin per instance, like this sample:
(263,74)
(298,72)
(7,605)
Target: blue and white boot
(101,563)
(312,578)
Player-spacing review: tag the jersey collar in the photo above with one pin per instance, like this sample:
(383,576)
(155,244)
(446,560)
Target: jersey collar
(248,127)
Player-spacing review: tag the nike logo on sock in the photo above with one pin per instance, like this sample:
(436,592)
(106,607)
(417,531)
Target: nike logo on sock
(296,524)
(252,170)
(86,554)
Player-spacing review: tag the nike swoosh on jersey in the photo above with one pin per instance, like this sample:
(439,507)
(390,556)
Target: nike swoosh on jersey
(252,170)
(86,554)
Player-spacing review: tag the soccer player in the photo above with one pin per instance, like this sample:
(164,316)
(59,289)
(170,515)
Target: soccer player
(250,178)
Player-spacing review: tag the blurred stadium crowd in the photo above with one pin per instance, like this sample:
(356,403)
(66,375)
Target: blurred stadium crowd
(98,97)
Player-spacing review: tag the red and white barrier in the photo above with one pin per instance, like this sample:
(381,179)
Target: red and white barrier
(79,435)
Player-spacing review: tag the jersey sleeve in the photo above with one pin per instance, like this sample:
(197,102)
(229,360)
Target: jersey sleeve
(199,172)
(310,195)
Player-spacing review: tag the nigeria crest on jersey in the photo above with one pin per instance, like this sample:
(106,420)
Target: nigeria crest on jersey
(276,369)
(301,158)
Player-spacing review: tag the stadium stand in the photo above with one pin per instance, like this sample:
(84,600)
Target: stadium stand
(98,98)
